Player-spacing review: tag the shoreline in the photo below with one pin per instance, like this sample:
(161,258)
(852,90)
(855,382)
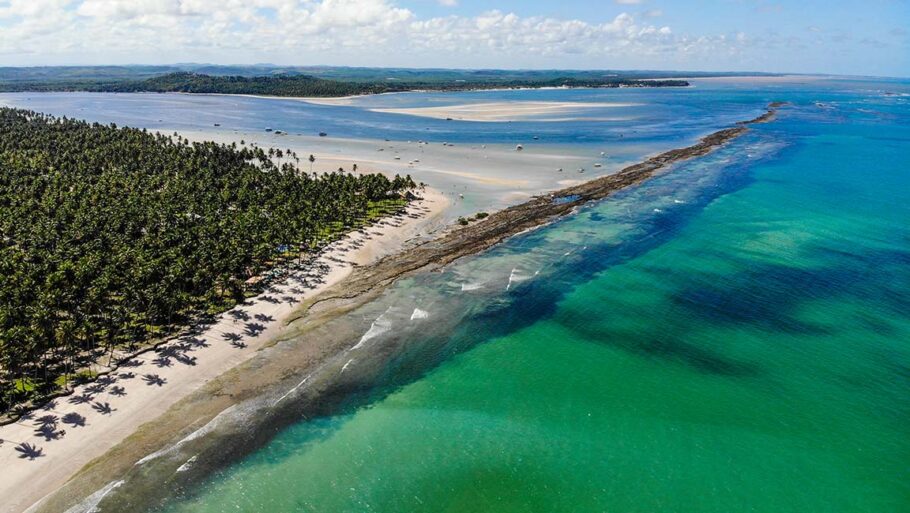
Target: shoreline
(346,100)
(474,176)
(502,112)
(96,416)
(194,413)
(540,210)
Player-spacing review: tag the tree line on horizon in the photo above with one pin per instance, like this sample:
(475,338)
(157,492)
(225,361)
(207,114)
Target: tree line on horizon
(305,85)
(112,236)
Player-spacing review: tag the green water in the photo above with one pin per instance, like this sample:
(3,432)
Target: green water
(744,348)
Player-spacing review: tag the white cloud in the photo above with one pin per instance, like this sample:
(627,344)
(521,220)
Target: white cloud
(628,2)
(357,32)
(448,3)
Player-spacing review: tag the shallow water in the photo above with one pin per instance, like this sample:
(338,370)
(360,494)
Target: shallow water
(732,335)
(481,171)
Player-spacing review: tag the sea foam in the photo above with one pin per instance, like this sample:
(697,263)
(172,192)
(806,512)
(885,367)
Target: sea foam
(90,504)
(380,325)
(192,436)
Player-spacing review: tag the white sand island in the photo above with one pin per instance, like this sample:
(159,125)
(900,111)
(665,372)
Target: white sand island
(505,111)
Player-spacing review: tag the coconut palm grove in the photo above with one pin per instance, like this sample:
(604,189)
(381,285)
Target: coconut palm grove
(111,237)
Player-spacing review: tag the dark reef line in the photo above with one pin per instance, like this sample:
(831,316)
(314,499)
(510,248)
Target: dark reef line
(281,366)
(505,223)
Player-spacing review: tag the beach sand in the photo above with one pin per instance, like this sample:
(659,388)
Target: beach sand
(159,379)
(504,111)
(475,177)
(493,112)
(151,416)
(465,178)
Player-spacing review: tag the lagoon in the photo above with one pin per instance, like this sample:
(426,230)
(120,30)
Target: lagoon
(731,335)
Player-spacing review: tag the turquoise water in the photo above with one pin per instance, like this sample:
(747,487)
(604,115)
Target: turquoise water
(731,336)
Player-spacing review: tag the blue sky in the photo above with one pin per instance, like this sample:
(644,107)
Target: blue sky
(842,37)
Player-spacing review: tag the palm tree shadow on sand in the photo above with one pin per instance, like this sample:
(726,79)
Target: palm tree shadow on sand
(154,380)
(29,451)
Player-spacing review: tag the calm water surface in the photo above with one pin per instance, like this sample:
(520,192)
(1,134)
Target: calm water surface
(733,335)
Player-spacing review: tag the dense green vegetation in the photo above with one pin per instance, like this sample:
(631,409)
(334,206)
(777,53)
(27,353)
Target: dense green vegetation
(111,236)
(306,85)
(343,73)
(429,75)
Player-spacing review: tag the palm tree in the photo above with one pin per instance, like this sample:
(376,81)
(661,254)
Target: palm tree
(141,233)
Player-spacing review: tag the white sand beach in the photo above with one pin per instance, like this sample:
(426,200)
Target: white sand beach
(475,177)
(490,112)
(499,112)
(465,178)
(71,431)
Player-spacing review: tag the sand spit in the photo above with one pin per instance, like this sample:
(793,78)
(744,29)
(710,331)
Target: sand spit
(501,111)
(510,221)
(71,431)
(289,363)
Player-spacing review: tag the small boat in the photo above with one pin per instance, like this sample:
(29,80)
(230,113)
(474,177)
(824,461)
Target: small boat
(597,165)
(519,147)
(536,138)
(217,124)
(268,129)
(559,170)
(322,134)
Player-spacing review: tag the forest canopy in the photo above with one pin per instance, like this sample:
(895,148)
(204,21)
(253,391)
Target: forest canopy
(110,236)
(307,85)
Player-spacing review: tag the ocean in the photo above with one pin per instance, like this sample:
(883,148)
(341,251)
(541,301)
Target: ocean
(732,335)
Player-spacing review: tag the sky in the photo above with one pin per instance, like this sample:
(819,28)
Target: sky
(868,37)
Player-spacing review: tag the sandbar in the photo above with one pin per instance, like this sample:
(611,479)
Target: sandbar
(499,112)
